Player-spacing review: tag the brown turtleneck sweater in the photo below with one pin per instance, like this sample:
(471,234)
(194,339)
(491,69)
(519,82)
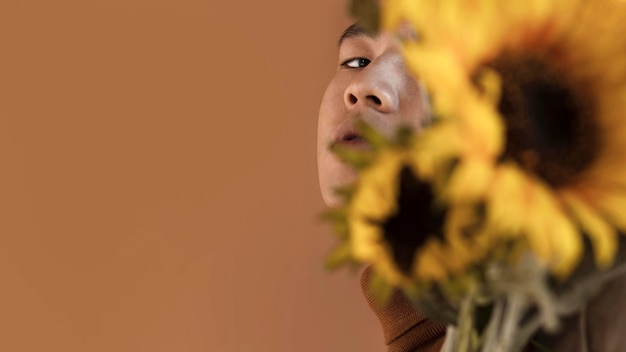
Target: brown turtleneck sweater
(604,323)
(404,328)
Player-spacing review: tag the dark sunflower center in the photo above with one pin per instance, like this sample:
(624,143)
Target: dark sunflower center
(550,126)
(416,220)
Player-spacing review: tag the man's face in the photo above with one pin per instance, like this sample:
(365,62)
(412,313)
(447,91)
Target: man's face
(371,84)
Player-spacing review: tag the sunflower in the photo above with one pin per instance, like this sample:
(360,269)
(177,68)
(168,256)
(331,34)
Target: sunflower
(382,214)
(394,220)
(532,94)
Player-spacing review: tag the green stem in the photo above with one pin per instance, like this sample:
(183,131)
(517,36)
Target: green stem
(489,338)
(466,335)
(510,326)
(539,346)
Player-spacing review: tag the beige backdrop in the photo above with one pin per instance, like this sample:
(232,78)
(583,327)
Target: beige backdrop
(158,185)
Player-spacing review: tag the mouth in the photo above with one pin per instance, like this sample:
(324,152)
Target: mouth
(351,139)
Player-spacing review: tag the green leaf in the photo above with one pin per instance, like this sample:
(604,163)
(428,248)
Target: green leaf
(341,229)
(431,302)
(339,220)
(381,289)
(339,256)
(404,136)
(359,159)
(367,14)
(334,214)
(371,135)
(346,192)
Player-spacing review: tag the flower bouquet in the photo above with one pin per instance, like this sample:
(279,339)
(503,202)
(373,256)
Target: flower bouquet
(507,213)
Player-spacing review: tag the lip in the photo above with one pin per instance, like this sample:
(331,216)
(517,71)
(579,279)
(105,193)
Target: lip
(348,136)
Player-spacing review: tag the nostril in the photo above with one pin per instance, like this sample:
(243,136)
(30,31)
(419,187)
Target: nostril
(374,99)
(352,99)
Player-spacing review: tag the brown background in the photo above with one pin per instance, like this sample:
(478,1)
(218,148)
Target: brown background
(158,185)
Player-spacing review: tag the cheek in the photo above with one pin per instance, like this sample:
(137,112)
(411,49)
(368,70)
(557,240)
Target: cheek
(332,175)
(416,110)
(331,172)
(332,111)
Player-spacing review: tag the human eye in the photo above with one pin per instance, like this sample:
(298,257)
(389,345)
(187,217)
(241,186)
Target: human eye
(356,62)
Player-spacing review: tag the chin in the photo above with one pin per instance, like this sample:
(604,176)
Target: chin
(331,199)
(337,176)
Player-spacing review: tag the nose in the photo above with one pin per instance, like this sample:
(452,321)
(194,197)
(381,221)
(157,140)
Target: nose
(376,86)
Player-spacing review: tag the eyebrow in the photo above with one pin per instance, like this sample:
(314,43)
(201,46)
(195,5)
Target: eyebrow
(354,30)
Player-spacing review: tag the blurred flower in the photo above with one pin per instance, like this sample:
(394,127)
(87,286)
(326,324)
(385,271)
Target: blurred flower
(532,95)
(523,164)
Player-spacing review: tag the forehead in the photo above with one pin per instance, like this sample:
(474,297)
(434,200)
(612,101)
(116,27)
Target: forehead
(356,38)
(354,30)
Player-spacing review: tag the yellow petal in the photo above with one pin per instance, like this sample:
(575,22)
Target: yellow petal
(469,181)
(428,264)
(539,226)
(613,206)
(375,194)
(481,123)
(504,216)
(552,236)
(570,247)
(603,237)
(364,238)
